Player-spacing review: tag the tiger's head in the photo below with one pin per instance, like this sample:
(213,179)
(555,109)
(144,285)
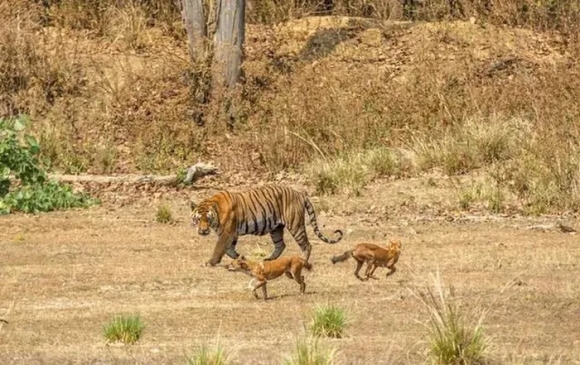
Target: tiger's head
(204,216)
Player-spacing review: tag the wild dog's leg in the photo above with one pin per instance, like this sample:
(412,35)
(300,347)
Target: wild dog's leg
(279,245)
(371,272)
(299,234)
(391,266)
(231,251)
(359,265)
(297,273)
(261,283)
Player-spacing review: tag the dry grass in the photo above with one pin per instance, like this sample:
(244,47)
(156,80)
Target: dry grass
(450,92)
(454,337)
(109,260)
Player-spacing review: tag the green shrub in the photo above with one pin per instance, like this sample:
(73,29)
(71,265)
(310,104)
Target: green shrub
(328,321)
(24,185)
(126,329)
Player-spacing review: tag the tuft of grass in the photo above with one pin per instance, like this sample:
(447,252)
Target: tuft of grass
(209,356)
(125,328)
(328,321)
(474,144)
(164,214)
(488,192)
(351,172)
(309,352)
(453,337)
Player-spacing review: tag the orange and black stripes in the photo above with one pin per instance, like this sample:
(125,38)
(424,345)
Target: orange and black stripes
(259,211)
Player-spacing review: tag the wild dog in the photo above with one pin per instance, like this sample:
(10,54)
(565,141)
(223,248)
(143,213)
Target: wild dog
(374,256)
(270,270)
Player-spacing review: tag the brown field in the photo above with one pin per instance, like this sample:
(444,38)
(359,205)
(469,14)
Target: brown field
(452,125)
(65,275)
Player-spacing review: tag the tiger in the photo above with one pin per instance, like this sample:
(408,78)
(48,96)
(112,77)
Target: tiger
(258,211)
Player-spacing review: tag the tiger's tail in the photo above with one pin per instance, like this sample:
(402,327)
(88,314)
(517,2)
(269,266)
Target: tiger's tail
(314,223)
(342,257)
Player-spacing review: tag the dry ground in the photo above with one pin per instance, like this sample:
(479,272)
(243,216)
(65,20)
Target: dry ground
(64,275)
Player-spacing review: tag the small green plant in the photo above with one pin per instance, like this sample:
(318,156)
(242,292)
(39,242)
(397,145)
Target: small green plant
(126,329)
(164,214)
(309,352)
(328,321)
(209,356)
(453,337)
(24,185)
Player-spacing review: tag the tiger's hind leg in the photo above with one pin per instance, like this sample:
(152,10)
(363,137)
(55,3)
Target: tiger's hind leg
(299,234)
(278,240)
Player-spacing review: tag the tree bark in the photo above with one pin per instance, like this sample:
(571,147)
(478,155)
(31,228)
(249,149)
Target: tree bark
(228,42)
(195,26)
(222,21)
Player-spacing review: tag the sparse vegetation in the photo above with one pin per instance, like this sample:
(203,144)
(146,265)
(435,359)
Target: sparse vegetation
(328,321)
(308,351)
(209,356)
(454,338)
(125,328)
(164,214)
(449,107)
(353,171)
(31,191)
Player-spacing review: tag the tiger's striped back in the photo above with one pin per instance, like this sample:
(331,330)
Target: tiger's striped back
(264,210)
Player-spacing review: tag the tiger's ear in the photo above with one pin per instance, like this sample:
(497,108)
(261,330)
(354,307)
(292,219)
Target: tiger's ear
(192,205)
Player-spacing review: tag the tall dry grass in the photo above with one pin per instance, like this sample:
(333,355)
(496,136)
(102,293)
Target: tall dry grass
(361,103)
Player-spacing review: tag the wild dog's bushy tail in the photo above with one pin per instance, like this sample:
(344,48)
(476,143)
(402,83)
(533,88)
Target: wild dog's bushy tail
(314,223)
(342,257)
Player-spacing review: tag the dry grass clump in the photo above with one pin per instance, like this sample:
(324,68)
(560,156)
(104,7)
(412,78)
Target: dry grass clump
(471,145)
(308,351)
(453,336)
(352,171)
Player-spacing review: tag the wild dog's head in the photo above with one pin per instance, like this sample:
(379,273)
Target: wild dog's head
(204,216)
(395,246)
(239,264)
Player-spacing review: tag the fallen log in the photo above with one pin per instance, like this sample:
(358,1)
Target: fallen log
(193,173)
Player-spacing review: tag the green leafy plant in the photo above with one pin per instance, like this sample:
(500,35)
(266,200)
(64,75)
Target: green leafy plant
(24,185)
(126,329)
(328,321)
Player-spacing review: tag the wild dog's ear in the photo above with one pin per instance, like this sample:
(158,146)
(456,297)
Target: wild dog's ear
(192,205)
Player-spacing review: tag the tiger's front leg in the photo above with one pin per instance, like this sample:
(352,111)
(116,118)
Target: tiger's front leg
(223,245)
(231,251)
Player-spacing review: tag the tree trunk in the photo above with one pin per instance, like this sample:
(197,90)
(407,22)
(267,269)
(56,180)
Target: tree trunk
(195,25)
(228,42)
(224,22)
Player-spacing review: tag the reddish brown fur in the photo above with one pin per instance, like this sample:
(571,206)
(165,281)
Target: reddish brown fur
(270,270)
(375,256)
